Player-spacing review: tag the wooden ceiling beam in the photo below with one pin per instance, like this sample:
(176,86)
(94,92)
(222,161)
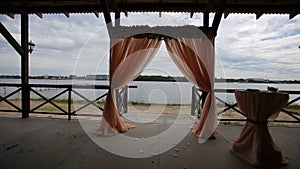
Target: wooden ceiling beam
(39,14)
(89,6)
(191,14)
(293,14)
(67,14)
(226,13)
(112,5)
(258,15)
(96,14)
(218,15)
(162,7)
(210,5)
(11,15)
(10,8)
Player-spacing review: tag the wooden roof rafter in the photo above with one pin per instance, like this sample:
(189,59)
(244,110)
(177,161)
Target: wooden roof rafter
(11,40)
(291,7)
(218,15)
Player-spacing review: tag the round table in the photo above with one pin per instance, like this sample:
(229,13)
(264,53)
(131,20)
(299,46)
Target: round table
(255,143)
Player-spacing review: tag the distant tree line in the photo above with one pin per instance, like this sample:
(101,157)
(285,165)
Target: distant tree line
(10,76)
(163,79)
(32,77)
(258,81)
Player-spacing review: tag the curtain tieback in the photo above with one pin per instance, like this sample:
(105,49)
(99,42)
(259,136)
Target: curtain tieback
(258,122)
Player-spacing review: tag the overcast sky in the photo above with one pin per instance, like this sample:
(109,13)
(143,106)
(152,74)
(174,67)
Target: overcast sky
(245,47)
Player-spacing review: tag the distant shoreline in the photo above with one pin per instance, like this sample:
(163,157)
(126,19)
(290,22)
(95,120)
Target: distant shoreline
(157,79)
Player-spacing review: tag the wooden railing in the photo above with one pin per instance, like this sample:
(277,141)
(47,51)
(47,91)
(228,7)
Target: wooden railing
(197,102)
(7,96)
(122,96)
(70,90)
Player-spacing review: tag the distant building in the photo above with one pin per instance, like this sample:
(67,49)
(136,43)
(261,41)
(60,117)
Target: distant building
(96,77)
(46,77)
(90,77)
(102,77)
(72,76)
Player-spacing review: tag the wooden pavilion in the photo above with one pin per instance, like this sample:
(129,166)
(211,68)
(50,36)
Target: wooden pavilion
(106,7)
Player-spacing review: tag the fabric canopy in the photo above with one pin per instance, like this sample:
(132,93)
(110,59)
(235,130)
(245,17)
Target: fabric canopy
(129,56)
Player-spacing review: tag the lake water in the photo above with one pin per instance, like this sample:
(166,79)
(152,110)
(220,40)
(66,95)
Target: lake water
(146,92)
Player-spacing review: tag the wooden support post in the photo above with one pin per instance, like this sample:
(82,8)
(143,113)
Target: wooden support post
(24,67)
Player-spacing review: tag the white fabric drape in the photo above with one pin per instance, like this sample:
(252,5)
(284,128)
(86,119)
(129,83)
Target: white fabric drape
(128,58)
(195,59)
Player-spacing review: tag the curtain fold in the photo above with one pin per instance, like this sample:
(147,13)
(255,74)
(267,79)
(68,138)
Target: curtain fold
(128,58)
(195,59)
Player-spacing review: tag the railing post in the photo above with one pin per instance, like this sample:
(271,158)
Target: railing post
(203,96)
(196,100)
(193,105)
(125,99)
(69,102)
(122,98)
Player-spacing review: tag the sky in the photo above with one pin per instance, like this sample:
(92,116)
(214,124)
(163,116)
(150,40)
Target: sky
(245,47)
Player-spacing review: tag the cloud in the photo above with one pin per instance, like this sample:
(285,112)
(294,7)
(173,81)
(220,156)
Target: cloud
(267,47)
(162,64)
(245,47)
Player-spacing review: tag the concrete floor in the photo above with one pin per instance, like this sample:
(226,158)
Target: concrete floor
(55,143)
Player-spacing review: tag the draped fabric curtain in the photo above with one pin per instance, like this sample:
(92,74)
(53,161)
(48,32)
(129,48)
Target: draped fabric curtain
(193,56)
(128,58)
(195,59)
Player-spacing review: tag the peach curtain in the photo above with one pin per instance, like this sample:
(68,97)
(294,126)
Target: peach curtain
(128,59)
(195,59)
